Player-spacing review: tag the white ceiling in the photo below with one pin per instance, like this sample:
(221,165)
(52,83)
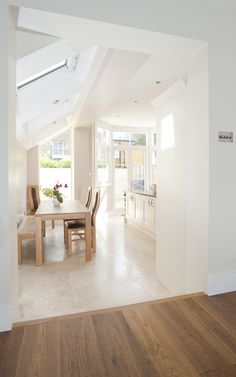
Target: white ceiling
(116,66)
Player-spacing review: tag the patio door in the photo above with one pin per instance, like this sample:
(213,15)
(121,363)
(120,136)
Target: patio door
(129,172)
(120,176)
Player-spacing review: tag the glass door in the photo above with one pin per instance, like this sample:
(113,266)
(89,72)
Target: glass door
(137,169)
(120,165)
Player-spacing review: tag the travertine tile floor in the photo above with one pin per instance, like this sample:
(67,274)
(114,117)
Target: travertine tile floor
(122,272)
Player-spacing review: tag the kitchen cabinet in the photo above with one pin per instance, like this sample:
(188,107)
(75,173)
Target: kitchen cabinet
(149,212)
(131,206)
(141,212)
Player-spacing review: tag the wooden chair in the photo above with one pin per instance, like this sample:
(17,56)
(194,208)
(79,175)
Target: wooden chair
(77,228)
(33,197)
(88,202)
(89,198)
(34,200)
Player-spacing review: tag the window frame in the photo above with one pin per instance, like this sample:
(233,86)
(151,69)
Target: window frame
(107,148)
(55,146)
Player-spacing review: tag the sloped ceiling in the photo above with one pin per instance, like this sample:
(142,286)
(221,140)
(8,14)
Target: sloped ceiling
(114,80)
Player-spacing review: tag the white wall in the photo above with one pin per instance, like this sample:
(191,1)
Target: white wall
(82,162)
(172,192)
(222,235)
(21,178)
(49,177)
(33,166)
(198,172)
(183,183)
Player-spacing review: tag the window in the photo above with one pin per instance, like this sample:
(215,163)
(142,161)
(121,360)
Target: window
(103,156)
(102,165)
(128,139)
(153,157)
(103,136)
(55,163)
(120,176)
(58,150)
(129,163)
(41,74)
(121,160)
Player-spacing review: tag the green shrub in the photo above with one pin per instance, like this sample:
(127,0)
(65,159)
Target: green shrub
(48,163)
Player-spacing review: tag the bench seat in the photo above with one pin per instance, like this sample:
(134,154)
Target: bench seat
(26,231)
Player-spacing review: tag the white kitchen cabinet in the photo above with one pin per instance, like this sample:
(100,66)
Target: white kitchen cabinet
(139,208)
(149,212)
(141,212)
(131,206)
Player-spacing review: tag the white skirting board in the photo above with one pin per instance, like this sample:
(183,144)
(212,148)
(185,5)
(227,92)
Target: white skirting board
(221,283)
(5,318)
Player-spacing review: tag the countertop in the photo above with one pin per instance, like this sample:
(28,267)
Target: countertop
(145,193)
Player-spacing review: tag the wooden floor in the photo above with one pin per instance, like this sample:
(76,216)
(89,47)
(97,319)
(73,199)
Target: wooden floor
(188,337)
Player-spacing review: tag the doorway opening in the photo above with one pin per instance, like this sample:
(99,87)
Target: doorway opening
(123,158)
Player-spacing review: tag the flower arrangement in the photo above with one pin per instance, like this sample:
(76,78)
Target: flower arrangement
(54,192)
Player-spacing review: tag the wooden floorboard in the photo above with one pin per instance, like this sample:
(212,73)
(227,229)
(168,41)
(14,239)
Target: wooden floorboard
(187,337)
(80,353)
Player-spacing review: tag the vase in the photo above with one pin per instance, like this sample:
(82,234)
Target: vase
(56,202)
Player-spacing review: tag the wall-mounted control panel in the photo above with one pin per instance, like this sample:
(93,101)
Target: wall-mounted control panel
(225,137)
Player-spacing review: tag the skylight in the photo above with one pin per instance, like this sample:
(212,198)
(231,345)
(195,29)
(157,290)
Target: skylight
(41,74)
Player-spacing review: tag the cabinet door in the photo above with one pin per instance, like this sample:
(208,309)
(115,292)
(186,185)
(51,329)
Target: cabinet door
(150,212)
(139,208)
(131,206)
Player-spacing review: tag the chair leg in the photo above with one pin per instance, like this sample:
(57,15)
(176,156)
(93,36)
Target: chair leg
(53,224)
(19,242)
(94,244)
(66,237)
(65,233)
(69,242)
(44,228)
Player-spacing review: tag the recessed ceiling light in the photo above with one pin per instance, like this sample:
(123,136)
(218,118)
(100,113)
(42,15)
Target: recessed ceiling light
(157,82)
(56,101)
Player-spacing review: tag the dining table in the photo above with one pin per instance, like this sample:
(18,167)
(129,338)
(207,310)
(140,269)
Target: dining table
(68,210)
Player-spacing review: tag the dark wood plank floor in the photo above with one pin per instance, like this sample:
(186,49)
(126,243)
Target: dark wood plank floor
(184,337)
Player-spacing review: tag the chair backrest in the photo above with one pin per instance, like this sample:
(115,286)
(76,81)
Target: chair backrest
(34,197)
(95,208)
(89,198)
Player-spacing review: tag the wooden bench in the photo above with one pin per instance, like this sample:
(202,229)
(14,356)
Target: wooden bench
(26,231)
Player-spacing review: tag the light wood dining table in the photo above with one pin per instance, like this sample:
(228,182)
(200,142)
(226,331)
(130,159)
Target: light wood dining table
(68,210)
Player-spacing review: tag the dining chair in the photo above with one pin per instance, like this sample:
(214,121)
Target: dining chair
(34,200)
(76,230)
(33,197)
(89,198)
(87,205)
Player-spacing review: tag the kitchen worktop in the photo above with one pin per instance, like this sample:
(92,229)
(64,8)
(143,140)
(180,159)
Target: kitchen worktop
(146,193)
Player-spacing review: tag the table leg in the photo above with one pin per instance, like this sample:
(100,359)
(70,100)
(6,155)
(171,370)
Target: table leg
(88,252)
(39,241)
